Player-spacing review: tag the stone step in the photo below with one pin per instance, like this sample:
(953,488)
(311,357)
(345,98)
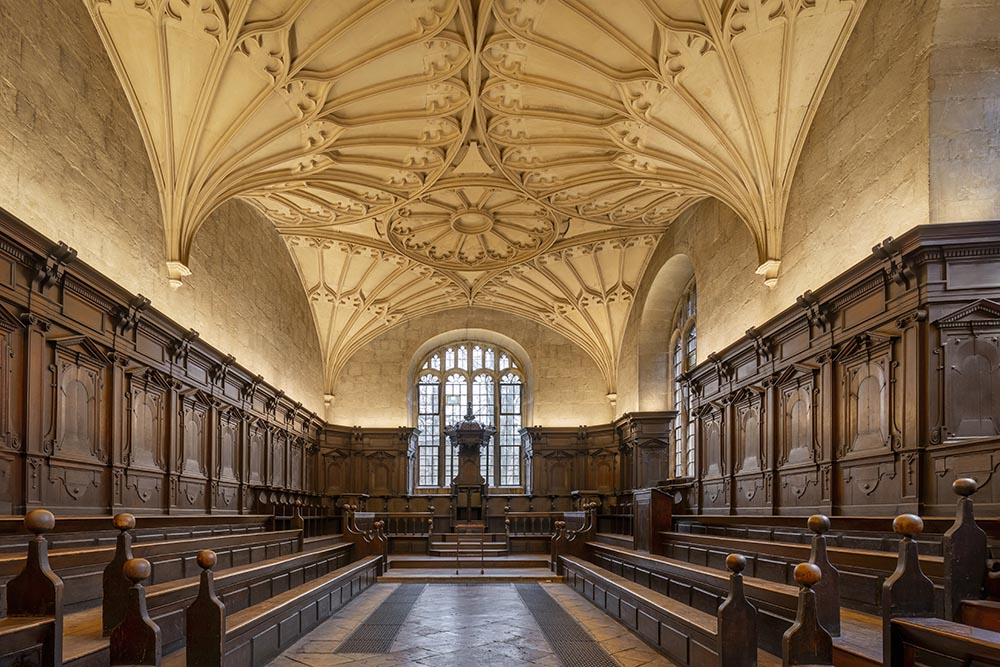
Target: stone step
(492,562)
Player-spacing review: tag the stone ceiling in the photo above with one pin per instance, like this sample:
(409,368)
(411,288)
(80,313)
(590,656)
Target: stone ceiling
(522,155)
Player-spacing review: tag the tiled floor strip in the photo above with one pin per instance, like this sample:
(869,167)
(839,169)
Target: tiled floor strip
(378,631)
(570,642)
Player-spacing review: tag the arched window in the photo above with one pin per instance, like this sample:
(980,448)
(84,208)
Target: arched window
(449,377)
(683,358)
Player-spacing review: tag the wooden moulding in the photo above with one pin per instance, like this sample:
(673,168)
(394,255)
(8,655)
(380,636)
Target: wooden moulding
(965,553)
(136,640)
(37,591)
(206,619)
(807,642)
(907,593)
(115,584)
(737,629)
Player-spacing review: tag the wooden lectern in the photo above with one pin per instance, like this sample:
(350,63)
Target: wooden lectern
(468,489)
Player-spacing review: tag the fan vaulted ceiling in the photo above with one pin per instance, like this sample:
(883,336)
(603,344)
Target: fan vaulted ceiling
(523,155)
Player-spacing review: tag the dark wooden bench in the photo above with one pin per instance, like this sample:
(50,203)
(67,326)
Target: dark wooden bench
(32,631)
(848,532)
(241,587)
(216,636)
(934,642)
(82,569)
(82,532)
(862,573)
(407,532)
(704,588)
(686,635)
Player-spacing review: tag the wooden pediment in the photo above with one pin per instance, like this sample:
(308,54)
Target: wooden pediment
(982,313)
(82,347)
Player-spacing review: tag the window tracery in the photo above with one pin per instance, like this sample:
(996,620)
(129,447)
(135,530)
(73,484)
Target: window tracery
(449,377)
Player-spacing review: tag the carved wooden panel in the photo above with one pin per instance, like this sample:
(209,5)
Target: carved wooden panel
(866,400)
(710,424)
(230,432)
(335,466)
(970,341)
(257,450)
(380,473)
(558,472)
(295,465)
(797,434)
(143,491)
(193,442)
(145,443)
(278,450)
(751,454)
(602,471)
(78,430)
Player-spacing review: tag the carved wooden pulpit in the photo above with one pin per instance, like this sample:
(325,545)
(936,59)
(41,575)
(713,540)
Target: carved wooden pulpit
(468,488)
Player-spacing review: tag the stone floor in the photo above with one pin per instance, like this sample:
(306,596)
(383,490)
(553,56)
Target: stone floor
(466,626)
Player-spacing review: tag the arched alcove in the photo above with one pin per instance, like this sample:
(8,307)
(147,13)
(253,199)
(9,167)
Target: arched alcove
(655,330)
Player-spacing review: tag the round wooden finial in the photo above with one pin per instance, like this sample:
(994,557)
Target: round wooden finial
(39,521)
(379,524)
(298,502)
(207,559)
(559,524)
(736,563)
(819,523)
(908,524)
(807,574)
(137,569)
(964,487)
(124,521)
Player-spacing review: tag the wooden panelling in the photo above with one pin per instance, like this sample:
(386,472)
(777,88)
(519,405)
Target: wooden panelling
(106,405)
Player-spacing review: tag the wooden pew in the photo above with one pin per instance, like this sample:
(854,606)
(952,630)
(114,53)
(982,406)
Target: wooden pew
(807,642)
(965,552)
(255,635)
(366,532)
(571,535)
(136,638)
(688,636)
(935,642)
(32,631)
(241,587)
(85,532)
(407,532)
(82,569)
(847,532)
(862,573)
(703,588)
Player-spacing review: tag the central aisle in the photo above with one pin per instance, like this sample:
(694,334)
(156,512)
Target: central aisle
(470,625)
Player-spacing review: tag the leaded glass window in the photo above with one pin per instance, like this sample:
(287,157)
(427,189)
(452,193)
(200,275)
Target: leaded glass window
(450,377)
(684,358)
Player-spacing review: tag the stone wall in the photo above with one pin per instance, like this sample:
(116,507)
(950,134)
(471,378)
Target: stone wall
(863,176)
(568,389)
(75,168)
(965,112)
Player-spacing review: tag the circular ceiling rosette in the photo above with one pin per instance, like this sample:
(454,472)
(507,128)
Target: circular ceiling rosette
(473,225)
